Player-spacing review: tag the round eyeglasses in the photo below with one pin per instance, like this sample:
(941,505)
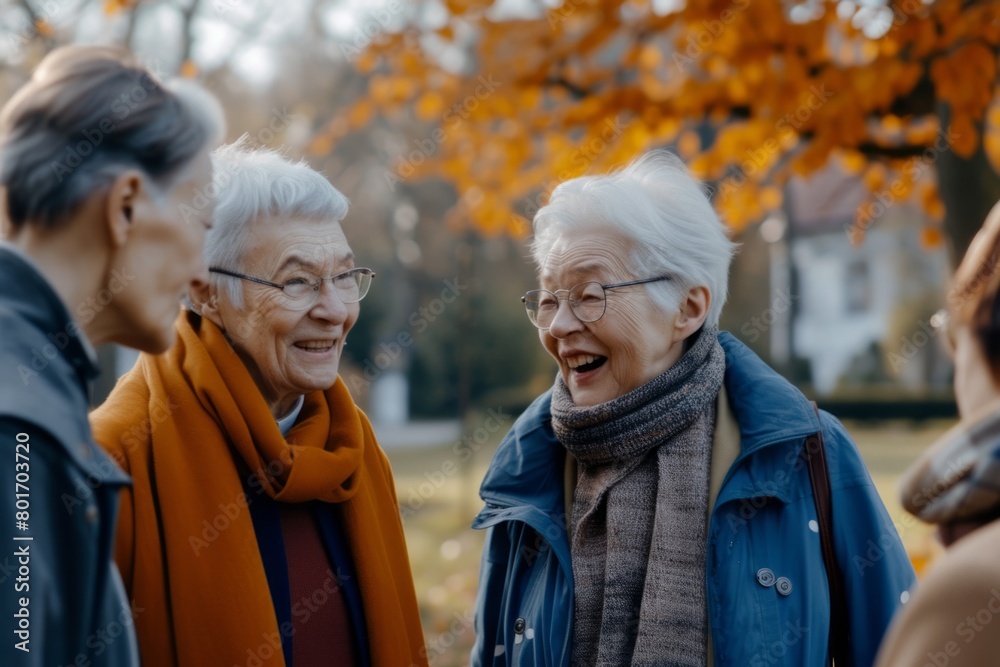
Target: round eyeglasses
(301,291)
(588,300)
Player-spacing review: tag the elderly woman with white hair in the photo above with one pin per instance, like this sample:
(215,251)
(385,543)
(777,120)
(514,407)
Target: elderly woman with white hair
(263,527)
(658,506)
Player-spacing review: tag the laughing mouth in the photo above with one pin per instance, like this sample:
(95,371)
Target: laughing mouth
(315,345)
(585,362)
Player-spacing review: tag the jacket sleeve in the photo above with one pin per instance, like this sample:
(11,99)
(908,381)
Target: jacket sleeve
(490,596)
(948,622)
(37,579)
(874,565)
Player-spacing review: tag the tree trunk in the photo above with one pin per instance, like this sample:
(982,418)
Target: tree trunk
(969,188)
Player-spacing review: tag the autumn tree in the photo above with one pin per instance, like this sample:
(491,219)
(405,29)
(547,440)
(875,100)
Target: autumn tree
(750,93)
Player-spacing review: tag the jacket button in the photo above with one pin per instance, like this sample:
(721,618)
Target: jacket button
(519,626)
(765,577)
(783,586)
(91,513)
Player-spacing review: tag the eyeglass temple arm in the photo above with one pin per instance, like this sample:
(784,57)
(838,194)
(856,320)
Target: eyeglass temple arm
(240,275)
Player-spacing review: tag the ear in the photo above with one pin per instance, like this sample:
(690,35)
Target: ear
(122,199)
(205,302)
(692,313)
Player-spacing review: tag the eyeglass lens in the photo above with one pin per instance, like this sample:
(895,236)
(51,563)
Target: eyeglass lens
(586,299)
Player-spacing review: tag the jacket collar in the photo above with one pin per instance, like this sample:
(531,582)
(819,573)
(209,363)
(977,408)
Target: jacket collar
(768,408)
(527,468)
(30,295)
(47,366)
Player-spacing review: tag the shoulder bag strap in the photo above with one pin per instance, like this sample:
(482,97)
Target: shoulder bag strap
(819,477)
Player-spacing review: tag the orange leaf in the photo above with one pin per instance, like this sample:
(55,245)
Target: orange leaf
(931,238)
(114,6)
(853,162)
(688,144)
(188,69)
(770,198)
(964,136)
(429,106)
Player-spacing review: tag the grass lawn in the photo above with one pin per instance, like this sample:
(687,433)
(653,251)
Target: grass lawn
(438,493)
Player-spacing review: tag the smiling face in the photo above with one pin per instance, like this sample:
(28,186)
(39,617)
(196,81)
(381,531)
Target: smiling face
(289,352)
(630,345)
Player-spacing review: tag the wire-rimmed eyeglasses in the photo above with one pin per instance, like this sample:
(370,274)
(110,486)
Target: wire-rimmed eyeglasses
(588,300)
(302,291)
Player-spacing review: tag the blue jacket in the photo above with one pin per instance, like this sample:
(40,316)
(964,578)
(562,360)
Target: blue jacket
(62,601)
(764,517)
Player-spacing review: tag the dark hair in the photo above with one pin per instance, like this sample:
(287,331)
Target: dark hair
(86,115)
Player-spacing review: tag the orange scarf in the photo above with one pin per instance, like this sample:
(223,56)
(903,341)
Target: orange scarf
(186,547)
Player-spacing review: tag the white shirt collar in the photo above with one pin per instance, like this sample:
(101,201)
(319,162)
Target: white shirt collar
(286,423)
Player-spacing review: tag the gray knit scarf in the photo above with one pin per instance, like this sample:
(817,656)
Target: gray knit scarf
(638,524)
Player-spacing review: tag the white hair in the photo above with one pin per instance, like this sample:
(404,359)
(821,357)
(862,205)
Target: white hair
(260,185)
(663,211)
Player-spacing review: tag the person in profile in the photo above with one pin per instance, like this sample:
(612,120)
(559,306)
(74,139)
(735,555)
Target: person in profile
(955,484)
(98,159)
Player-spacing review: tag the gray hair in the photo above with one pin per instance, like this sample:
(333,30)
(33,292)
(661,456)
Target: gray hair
(656,204)
(258,184)
(87,114)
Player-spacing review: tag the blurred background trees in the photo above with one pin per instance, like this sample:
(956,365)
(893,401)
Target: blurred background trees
(850,145)
(752,93)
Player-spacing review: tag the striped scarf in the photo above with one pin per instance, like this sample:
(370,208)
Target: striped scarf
(956,483)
